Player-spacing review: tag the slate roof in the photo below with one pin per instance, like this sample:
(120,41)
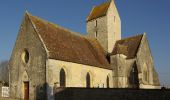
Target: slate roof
(66,45)
(128,46)
(99,11)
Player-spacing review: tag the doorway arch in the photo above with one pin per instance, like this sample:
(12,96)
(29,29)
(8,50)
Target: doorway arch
(25,86)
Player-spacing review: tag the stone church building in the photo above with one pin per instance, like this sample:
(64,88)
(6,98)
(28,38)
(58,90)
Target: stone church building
(47,56)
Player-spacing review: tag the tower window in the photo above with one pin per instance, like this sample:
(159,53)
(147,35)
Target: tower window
(96,33)
(96,23)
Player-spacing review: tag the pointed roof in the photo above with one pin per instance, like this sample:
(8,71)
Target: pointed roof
(99,11)
(128,46)
(63,44)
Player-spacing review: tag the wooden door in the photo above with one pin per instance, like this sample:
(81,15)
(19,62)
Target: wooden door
(26,90)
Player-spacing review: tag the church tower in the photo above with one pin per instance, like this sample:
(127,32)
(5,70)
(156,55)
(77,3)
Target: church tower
(104,24)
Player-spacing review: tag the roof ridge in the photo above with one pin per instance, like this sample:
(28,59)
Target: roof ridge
(131,37)
(55,25)
(34,27)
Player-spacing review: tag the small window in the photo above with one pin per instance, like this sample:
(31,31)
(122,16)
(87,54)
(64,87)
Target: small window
(96,23)
(96,29)
(25,56)
(62,78)
(107,82)
(88,80)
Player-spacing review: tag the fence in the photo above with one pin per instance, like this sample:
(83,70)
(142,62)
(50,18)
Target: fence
(5,91)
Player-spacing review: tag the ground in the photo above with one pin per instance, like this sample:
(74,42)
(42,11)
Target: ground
(7,98)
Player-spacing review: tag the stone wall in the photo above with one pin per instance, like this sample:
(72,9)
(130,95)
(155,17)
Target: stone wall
(144,59)
(113,26)
(101,28)
(111,94)
(28,66)
(76,75)
(121,70)
(119,67)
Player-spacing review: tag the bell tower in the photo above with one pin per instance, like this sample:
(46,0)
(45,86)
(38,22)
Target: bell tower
(104,24)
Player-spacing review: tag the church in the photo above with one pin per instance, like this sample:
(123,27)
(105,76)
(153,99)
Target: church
(47,56)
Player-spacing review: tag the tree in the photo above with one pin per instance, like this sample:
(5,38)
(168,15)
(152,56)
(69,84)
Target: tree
(4,71)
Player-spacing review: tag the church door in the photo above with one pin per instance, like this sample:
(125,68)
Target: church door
(26,90)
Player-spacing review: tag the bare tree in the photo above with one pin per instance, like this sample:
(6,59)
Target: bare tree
(4,71)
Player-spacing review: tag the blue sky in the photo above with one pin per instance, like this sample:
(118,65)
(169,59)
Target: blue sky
(137,16)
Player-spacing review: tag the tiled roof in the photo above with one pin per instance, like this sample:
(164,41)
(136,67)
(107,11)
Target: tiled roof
(128,46)
(98,11)
(65,45)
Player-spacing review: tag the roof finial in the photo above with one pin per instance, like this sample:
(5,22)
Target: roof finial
(112,1)
(26,12)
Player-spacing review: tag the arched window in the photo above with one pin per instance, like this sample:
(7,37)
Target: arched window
(145,73)
(107,82)
(88,80)
(62,78)
(133,78)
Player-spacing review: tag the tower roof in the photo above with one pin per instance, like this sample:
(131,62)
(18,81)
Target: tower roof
(99,11)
